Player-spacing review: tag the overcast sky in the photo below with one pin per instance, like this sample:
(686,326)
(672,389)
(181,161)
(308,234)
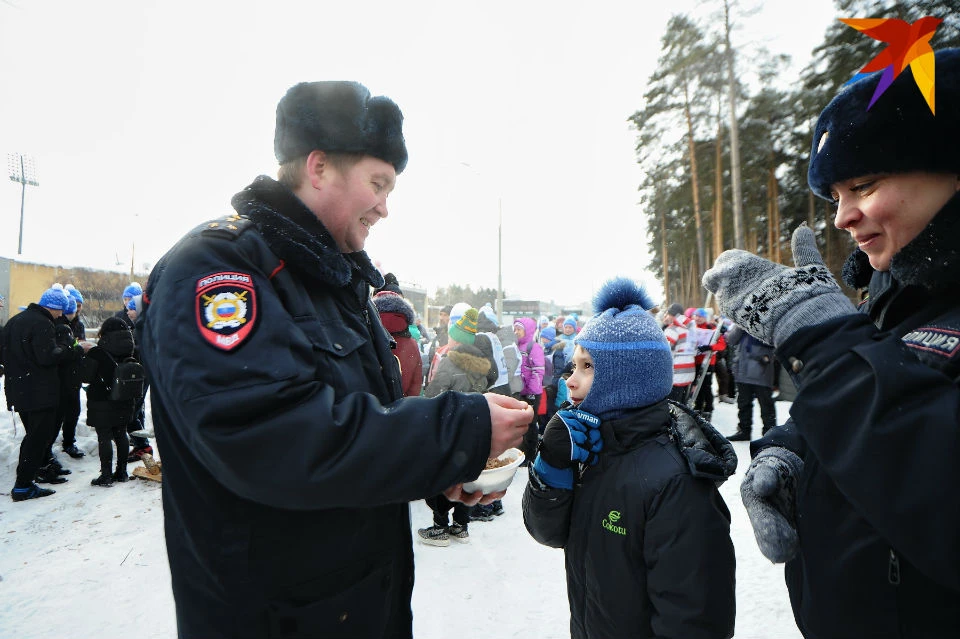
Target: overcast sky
(146,117)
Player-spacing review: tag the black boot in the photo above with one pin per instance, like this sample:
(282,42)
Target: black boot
(30,492)
(103,480)
(55,464)
(73,451)
(48,475)
(121,475)
(739,436)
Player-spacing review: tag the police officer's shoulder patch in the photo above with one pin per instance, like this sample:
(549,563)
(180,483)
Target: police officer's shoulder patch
(934,339)
(226,308)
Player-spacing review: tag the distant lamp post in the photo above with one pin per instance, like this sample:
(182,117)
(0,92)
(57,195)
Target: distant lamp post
(499,261)
(499,247)
(23,169)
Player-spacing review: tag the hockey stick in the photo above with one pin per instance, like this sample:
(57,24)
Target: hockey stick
(704,365)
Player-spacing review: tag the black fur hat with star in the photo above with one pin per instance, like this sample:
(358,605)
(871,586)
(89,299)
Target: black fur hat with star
(898,134)
(339,116)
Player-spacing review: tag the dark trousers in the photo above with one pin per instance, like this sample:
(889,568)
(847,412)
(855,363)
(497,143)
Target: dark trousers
(107,437)
(679,394)
(725,381)
(764,395)
(68,413)
(704,401)
(40,428)
(531,440)
(139,423)
(441,506)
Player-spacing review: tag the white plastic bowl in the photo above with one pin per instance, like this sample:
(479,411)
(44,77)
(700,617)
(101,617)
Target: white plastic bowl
(490,481)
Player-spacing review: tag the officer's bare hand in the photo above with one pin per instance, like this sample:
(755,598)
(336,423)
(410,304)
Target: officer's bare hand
(456,493)
(509,419)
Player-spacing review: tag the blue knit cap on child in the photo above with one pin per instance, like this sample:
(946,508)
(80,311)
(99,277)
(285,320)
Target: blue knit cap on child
(633,365)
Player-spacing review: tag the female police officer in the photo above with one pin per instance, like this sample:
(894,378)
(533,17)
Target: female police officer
(860,491)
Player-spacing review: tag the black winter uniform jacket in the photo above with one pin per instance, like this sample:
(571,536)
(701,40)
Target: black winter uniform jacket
(31,358)
(646,533)
(289,457)
(877,423)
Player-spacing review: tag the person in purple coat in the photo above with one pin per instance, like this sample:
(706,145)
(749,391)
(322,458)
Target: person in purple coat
(531,370)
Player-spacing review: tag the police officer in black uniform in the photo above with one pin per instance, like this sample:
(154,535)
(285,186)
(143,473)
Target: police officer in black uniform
(289,455)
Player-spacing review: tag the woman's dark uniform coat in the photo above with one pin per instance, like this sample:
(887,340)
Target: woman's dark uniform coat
(877,423)
(288,462)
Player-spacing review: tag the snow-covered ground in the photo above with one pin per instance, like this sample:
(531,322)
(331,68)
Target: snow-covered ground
(91,562)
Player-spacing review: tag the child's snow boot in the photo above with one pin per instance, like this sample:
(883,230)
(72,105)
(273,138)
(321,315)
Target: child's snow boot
(434,536)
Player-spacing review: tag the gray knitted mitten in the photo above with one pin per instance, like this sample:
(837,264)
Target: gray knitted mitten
(769,493)
(771,301)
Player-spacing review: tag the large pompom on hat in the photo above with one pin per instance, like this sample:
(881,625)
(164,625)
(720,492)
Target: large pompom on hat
(465,328)
(898,134)
(633,365)
(54,298)
(390,285)
(339,116)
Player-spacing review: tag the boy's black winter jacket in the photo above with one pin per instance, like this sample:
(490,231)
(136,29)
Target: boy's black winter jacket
(645,532)
(877,423)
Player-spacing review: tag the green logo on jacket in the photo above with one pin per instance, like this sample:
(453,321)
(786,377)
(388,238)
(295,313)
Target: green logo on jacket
(610,523)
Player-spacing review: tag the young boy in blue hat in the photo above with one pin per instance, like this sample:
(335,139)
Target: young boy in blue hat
(626,483)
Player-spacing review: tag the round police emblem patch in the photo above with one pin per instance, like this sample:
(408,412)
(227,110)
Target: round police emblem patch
(226,309)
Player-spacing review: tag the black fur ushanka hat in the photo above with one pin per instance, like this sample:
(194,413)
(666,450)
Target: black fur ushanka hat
(898,134)
(339,116)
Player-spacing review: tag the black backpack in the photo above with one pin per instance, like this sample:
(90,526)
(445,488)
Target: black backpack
(128,381)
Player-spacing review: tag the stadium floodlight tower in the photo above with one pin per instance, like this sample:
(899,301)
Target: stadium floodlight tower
(23,169)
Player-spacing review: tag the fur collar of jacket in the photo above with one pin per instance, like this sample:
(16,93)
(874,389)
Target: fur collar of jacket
(393,303)
(469,359)
(297,237)
(931,260)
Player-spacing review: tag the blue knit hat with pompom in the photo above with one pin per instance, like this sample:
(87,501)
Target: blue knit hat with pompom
(71,305)
(133,289)
(54,298)
(633,365)
(74,293)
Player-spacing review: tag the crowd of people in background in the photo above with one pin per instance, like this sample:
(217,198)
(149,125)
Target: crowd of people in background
(532,358)
(46,361)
